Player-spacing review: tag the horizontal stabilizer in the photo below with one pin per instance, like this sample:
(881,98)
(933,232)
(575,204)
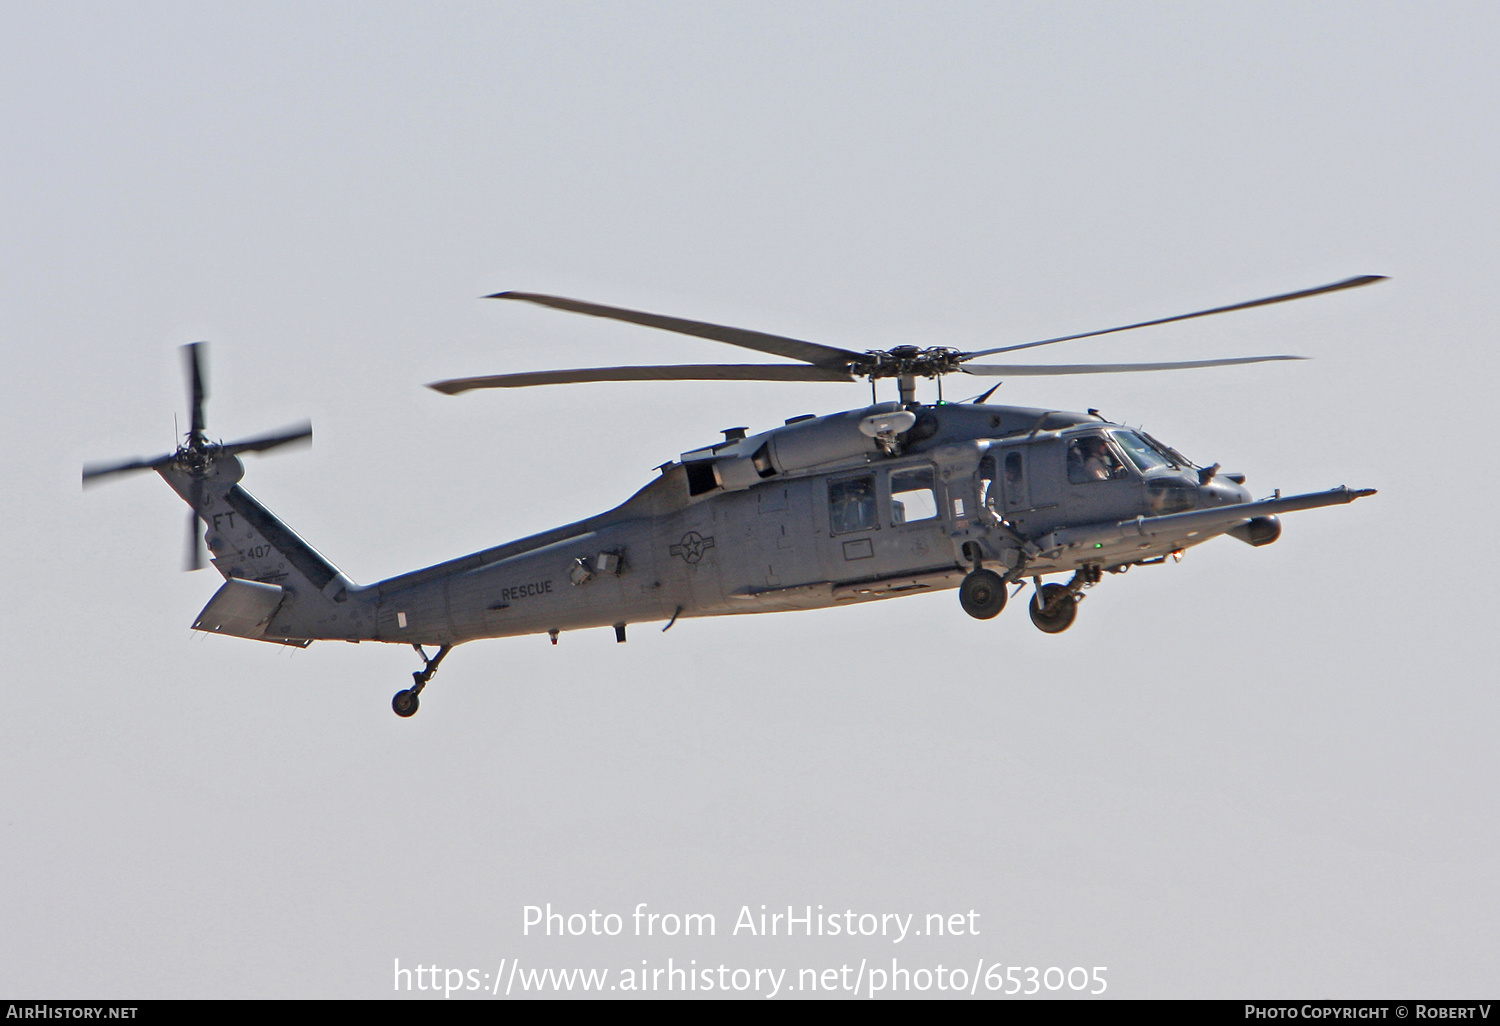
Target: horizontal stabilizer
(242,609)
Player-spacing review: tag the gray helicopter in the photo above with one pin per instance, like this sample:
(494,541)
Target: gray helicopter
(896,498)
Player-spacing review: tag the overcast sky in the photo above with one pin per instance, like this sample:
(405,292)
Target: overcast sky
(1262,772)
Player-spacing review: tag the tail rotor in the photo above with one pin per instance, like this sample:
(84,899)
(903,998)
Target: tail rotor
(196,456)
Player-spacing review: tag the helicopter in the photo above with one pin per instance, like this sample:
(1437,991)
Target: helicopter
(895,498)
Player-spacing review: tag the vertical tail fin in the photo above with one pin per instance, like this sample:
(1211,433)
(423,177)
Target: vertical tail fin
(249,544)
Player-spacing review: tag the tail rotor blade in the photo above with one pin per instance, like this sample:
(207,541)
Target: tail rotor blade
(260,443)
(193,358)
(93,471)
(194,559)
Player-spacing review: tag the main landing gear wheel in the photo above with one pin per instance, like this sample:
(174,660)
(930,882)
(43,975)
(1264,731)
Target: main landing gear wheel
(406,703)
(1056,610)
(982,594)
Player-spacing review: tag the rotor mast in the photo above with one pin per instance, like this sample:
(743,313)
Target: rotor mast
(907,384)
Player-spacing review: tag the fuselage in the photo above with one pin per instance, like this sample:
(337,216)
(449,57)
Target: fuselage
(816,513)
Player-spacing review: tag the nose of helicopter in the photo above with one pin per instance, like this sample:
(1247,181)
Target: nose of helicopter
(1221,492)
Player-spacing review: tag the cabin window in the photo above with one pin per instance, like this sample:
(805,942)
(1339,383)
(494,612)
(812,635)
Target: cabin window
(913,496)
(1091,458)
(851,504)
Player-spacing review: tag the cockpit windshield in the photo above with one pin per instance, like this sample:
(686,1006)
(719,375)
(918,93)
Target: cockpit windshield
(1143,453)
(1177,458)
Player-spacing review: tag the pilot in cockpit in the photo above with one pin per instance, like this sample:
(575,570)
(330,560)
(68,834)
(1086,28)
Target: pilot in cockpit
(1090,459)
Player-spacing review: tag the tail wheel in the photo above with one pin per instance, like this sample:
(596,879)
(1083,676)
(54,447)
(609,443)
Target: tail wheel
(405,703)
(1054,609)
(982,594)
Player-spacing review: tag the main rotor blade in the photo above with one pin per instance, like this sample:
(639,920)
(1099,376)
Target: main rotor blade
(679,372)
(1015,370)
(777,345)
(1351,283)
(93,471)
(260,443)
(193,356)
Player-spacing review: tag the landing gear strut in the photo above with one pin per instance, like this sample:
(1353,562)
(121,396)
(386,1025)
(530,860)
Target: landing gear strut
(406,702)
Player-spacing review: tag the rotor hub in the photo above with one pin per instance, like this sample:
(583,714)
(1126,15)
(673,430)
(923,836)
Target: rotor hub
(909,361)
(195,459)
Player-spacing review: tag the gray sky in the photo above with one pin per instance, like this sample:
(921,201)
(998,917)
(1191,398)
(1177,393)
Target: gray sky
(1264,772)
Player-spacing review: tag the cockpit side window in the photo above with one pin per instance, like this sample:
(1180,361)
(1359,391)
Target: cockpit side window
(1091,458)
